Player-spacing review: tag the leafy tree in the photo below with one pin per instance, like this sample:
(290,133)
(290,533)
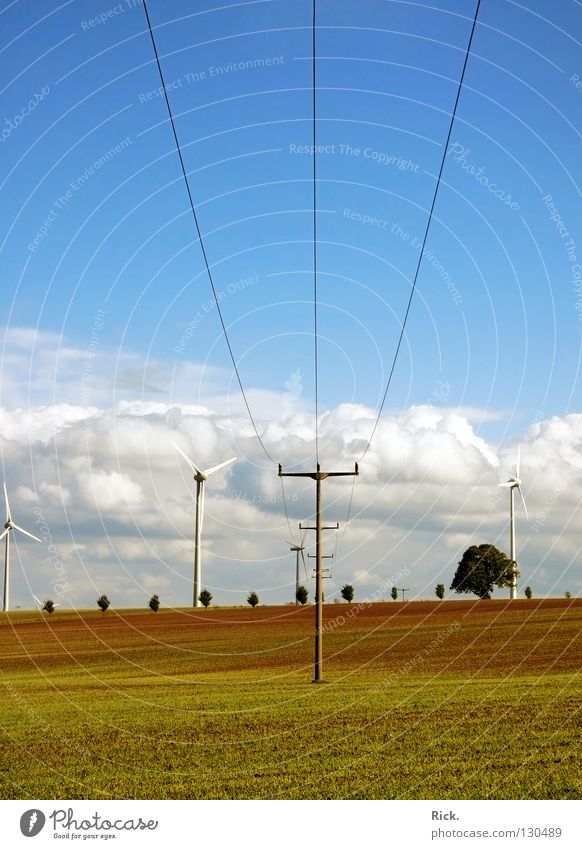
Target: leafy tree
(347,592)
(205,597)
(394,593)
(440,591)
(302,594)
(154,603)
(567,594)
(253,599)
(103,603)
(49,606)
(482,568)
(528,592)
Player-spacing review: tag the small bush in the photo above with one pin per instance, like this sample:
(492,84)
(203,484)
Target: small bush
(302,594)
(439,591)
(347,592)
(49,606)
(253,599)
(154,603)
(103,603)
(567,594)
(205,598)
(394,593)
(528,592)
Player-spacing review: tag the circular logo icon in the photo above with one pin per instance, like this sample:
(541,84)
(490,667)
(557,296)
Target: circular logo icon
(32,822)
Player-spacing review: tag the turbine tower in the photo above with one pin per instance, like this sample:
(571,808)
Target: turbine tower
(200,478)
(10,526)
(513,484)
(298,549)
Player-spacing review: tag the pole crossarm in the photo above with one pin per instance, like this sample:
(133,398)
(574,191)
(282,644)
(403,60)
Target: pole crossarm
(318,476)
(323,527)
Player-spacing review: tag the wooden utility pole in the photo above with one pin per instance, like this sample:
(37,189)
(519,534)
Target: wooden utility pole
(318,476)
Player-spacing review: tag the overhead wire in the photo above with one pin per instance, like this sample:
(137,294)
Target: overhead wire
(200,239)
(426,232)
(314,183)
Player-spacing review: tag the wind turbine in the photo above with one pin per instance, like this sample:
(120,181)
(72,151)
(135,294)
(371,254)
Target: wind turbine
(10,526)
(298,549)
(513,484)
(200,478)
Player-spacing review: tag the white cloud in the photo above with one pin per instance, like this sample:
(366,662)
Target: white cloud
(113,493)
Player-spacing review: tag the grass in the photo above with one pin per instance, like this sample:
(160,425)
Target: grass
(427,700)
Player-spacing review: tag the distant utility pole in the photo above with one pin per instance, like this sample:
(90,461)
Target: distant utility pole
(403,590)
(318,476)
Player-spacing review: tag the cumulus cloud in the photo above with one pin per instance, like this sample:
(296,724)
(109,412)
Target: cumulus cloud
(115,501)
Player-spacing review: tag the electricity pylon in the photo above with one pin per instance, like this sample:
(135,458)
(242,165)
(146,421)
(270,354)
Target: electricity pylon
(318,476)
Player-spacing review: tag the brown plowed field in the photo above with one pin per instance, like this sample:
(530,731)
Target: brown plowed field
(432,700)
(477,637)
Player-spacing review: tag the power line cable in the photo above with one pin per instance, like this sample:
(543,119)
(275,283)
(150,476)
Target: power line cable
(198,231)
(426,232)
(314,157)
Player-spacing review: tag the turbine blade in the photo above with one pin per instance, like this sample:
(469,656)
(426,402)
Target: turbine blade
(303,537)
(4,532)
(7,503)
(507,483)
(288,541)
(524,504)
(304,565)
(213,469)
(194,468)
(37,599)
(518,458)
(27,533)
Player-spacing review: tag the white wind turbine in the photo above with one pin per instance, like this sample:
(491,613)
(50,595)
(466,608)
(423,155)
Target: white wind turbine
(10,526)
(513,484)
(298,549)
(200,478)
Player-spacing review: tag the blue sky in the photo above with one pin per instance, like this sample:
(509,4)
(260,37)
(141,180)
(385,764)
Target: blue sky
(106,301)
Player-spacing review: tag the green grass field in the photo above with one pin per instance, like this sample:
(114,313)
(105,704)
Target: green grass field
(422,700)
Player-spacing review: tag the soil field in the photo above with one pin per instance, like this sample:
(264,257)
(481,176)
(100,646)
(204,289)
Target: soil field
(434,700)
